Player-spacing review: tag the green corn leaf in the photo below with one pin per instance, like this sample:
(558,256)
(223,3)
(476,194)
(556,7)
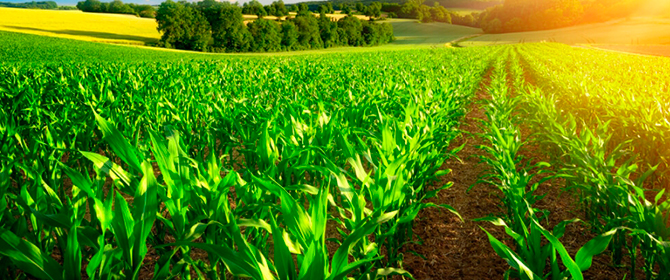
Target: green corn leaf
(118,143)
(28,257)
(594,247)
(72,257)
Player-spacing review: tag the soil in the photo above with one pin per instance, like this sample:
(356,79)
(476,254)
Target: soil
(455,249)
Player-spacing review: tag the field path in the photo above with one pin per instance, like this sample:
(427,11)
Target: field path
(455,249)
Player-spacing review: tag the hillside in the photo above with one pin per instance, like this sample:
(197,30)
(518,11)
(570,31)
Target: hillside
(631,31)
(124,29)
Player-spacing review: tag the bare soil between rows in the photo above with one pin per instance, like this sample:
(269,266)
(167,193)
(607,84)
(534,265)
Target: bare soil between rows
(455,249)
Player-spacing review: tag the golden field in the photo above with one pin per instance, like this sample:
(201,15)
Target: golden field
(109,28)
(93,27)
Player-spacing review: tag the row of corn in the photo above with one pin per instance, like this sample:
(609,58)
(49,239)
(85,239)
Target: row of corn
(603,120)
(532,251)
(269,168)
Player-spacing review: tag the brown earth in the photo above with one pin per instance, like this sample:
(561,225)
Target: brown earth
(461,250)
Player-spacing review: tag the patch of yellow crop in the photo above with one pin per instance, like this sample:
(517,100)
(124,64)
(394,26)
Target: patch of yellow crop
(109,28)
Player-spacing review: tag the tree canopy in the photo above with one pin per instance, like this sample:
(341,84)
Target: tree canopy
(219,27)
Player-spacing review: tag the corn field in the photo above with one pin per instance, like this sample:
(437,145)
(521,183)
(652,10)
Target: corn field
(317,166)
(273,168)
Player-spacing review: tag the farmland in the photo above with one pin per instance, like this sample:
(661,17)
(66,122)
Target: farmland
(534,161)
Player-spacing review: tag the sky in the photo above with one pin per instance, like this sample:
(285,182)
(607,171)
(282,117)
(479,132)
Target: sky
(150,2)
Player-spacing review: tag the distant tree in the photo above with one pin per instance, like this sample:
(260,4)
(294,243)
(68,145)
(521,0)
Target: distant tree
(386,33)
(92,6)
(270,10)
(411,9)
(374,10)
(352,29)
(328,31)
(266,34)
(370,33)
(229,33)
(330,9)
(423,14)
(289,35)
(294,8)
(254,7)
(145,11)
(360,8)
(494,26)
(183,26)
(117,7)
(440,14)
(308,30)
(346,9)
(323,9)
(279,9)
(303,8)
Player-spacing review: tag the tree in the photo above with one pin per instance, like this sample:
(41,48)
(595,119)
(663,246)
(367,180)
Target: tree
(352,29)
(183,26)
(117,7)
(266,34)
(229,33)
(440,14)
(360,8)
(308,31)
(92,6)
(330,9)
(370,33)
(374,10)
(294,8)
(254,8)
(328,31)
(303,8)
(346,9)
(289,35)
(423,14)
(279,9)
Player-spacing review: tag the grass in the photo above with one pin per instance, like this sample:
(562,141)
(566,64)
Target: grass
(464,11)
(108,28)
(627,31)
(20,47)
(410,32)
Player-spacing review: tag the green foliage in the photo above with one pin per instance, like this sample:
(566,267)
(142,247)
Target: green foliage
(530,15)
(116,7)
(113,162)
(266,35)
(254,8)
(606,168)
(47,5)
(183,26)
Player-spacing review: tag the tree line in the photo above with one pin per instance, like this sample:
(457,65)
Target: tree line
(220,27)
(45,5)
(416,9)
(529,15)
(117,7)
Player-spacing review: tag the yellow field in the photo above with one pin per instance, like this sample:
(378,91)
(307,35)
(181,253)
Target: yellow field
(94,27)
(109,28)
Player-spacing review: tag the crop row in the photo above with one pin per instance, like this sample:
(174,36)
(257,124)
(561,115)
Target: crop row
(273,168)
(603,120)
